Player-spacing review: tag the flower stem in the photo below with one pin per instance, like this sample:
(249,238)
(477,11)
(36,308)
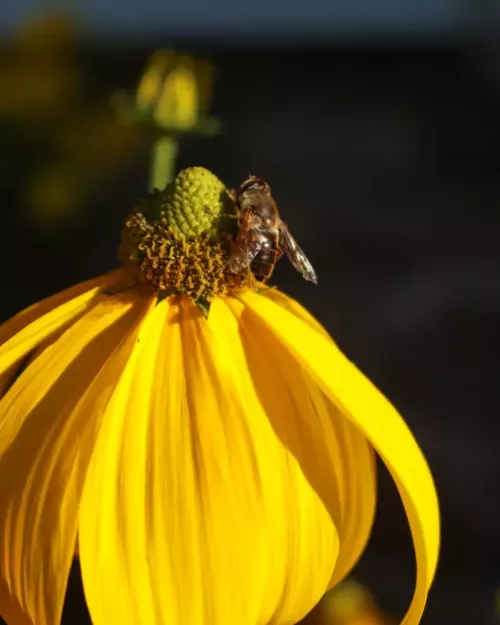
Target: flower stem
(165,152)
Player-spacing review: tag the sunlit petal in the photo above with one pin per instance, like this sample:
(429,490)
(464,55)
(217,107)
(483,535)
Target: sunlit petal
(103,523)
(276,412)
(360,401)
(45,445)
(334,455)
(43,327)
(193,504)
(294,307)
(27,316)
(353,465)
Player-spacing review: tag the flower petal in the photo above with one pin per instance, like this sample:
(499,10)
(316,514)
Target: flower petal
(333,454)
(7,376)
(32,326)
(45,446)
(353,464)
(354,395)
(272,397)
(193,506)
(293,306)
(23,318)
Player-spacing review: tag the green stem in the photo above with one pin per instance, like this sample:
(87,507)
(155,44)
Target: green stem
(163,162)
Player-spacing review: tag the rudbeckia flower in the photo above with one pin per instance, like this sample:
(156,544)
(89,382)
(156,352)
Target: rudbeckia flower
(200,441)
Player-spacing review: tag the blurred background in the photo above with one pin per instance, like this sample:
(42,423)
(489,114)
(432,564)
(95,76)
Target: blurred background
(377,123)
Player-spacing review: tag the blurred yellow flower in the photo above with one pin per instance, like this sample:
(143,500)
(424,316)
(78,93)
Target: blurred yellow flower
(350,603)
(173,95)
(169,89)
(38,73)
(176,90)
(213,470)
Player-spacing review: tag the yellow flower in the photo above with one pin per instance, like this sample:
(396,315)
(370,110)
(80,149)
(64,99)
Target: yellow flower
(212,470)
(176,89)
(349,603)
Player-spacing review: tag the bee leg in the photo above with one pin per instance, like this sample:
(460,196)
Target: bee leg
(209,212)
(220,215)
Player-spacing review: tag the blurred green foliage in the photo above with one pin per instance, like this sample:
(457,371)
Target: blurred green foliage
(350,603)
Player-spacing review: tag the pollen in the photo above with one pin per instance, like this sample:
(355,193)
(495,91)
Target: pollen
(178,240)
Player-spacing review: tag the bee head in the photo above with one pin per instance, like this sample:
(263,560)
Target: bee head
(252,183)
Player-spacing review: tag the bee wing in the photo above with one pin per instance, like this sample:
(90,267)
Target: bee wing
(297,257)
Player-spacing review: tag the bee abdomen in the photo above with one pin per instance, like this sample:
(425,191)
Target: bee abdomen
(263,264)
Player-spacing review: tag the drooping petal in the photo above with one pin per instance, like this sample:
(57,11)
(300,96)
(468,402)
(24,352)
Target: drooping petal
(333,454)
(193,506)
(353,464)
(7,376)
(274,404)
(45,446)
(355,397)
(293,306)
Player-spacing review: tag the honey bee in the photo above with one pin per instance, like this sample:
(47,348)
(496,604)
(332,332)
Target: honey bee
(263,237)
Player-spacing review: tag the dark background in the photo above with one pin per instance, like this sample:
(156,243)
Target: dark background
(384,159)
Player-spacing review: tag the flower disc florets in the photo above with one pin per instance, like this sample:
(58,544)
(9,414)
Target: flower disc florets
(178,240)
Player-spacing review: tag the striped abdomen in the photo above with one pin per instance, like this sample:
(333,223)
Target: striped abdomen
(264,262)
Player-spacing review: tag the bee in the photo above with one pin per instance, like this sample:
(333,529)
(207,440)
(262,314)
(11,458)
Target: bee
(262,236)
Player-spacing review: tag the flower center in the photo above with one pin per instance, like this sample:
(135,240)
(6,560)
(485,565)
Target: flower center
(178,240)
